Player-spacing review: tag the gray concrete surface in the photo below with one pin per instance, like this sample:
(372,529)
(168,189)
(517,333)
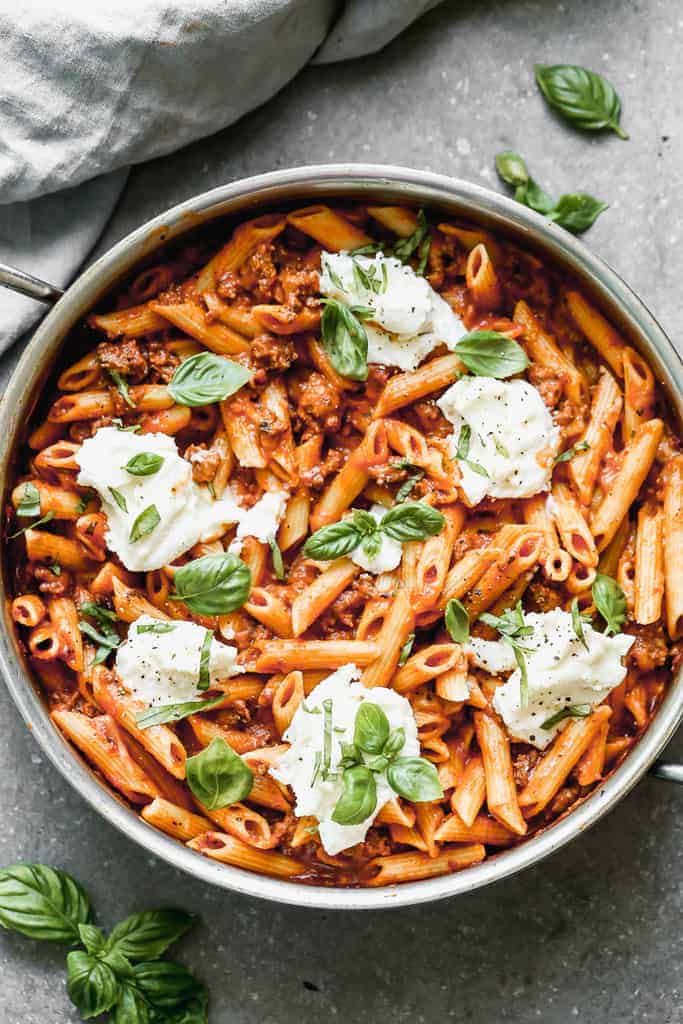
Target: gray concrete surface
(593,934)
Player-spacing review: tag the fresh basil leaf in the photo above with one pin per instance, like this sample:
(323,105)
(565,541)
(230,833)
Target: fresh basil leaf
(406,649)
(406,247)
(407,486)
(371,728)
(610,601)
(107,640)
(42,903)
(217,775)
(344,339)
(205,661)
(103,616)
(573,711)
(463,450)
(326,760)
(166,984)
(371,545)
(144,464)
(457,621)
(577,622)
(191,1011)
(583,97)
(395,742)
(414,520)
(512,168)
(350,755)
(377,763)
(174,712)
(213,584)
(146,522)
(576,212)
(119,498)
(366,278)
(512,628)
(422,256)
(363,522)
(333,541)
(156,627)
(92,985)
(359,796)
(534,196)
(206,378)
(132,1007)
(56,569)
(414,779)
(491,354)
(278,561)
(121,387)
(147,935)
(30,501)
(582,446)
(48,517)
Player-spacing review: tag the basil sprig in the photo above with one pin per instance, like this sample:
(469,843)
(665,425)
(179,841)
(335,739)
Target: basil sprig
(512,629)
(344,338)
(574,211)
(206,378)
(175,712)
(144,464)
(463,451)
(218,776)
(106,637)
(413,778)
(418,243)
(568,455)
(491,354)
(457,621)
(145,523)
(583,97)
(213,584)
(30,501)
(409,521)
(572,711)
(122,972)
(610,601)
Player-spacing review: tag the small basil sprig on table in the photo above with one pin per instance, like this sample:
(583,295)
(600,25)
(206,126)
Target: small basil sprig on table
(206,378)
(610,601)
(512,629)
(413,778)
(574,211)
(120,973)
(409,521)
(106,637)
(583,97)
(218,776)
(457,621)
(491,354)
(144,464)
(344,338)
(213,584)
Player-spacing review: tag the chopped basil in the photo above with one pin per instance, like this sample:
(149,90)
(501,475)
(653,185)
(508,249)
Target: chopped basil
(418,243)
(457,621)
(119,499)
(406,487)
(121,387)
(327,738)
(56,569)
(610,601)
(500,448)
(175,712)
(213,584)
(106,637)
(156,627)
(583,97)
(344,338)
(578,621)
(144,464)
(145,523)
(415,779)
(48,517)
(206,378)
(278,562)
(491,354)
(573,711)
(463,450)
(218,777)
(512,628)
(30,501)
(204,661)
(582,446)
(406,649)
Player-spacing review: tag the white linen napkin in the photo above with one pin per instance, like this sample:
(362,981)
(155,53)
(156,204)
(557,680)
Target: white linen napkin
(90,88)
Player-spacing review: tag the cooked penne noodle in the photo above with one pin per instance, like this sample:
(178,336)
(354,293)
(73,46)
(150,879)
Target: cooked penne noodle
(637,460)
(319,595)
(397,626)
(544,351)
(649,565)
(572,526)
(501,793)
(286,655)
(405,388)
(599,332)
(174,821)
(606,406)
(672,533)
(328,228)
(481,279)
(230,850)
(409,867)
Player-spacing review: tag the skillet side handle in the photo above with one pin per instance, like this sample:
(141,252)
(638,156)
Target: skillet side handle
(19,281)
(668,771)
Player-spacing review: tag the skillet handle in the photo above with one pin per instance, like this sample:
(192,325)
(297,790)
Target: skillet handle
(26,284)
(668,771)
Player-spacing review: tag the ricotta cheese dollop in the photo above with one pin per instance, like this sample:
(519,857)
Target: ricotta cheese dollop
(410,318)
(562,672)
(316,796)
(163,667)
(187,512)
(512,437)
(388,554)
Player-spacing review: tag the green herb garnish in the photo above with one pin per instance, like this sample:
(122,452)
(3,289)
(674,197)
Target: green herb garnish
(583,97)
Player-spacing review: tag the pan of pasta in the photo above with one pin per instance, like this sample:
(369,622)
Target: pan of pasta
(343,537)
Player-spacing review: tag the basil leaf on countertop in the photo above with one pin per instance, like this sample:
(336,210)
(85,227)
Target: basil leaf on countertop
(415,779)
(147,935)
(344,338)
(213,584)
(491,354)
(218,776)
(576,212)
(583,97)
(206,378)
(165,983)
(42,903)
(412,520)
(92,985)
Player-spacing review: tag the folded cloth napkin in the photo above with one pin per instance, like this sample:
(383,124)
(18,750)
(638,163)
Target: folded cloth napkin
(89,89)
